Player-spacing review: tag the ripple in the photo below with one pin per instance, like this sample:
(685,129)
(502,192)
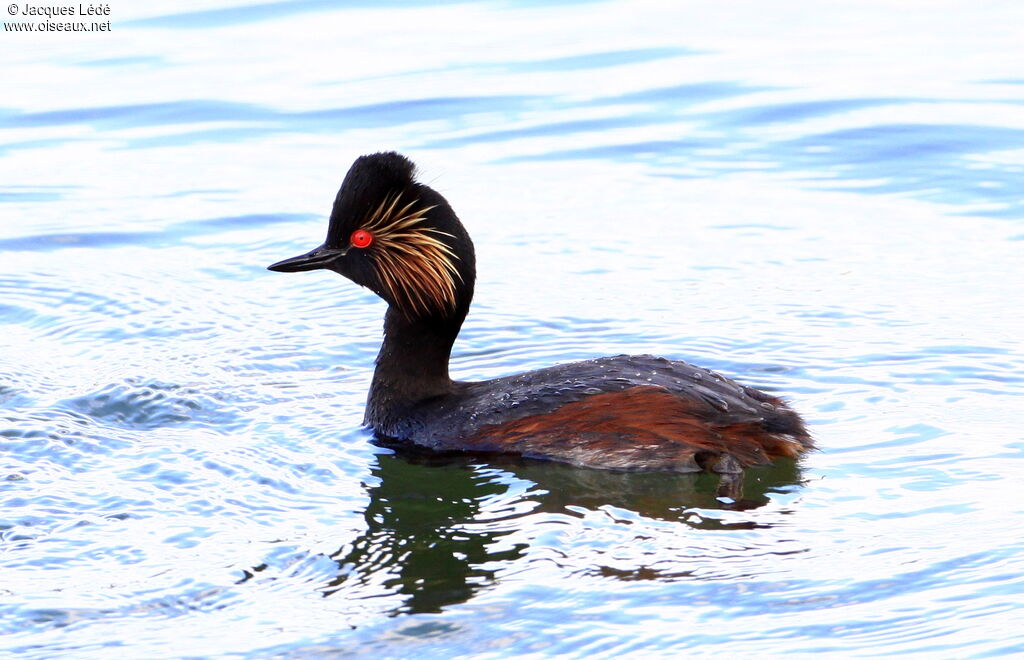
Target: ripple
(147,405)
(599,60)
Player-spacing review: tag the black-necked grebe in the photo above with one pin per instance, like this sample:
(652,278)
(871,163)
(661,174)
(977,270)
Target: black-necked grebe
(402,240)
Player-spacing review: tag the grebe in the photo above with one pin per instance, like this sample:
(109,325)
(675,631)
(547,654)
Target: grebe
(402,240)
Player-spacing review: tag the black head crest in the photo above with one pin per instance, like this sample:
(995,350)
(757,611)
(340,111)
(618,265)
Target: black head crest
(397,237)
(370,179)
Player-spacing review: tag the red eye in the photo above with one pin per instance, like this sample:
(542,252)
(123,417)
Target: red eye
(361,238)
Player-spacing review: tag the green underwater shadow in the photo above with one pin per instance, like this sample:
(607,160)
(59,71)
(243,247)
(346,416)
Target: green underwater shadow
(430,542)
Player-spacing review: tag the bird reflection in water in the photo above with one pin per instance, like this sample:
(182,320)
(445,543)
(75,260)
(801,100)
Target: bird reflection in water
(423,538)
(434,538)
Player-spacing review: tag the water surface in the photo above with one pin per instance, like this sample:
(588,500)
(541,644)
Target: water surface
(825,203)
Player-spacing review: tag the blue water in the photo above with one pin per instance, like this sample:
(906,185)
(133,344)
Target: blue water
(826,202)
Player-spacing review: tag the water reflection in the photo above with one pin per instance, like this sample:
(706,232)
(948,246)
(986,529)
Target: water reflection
(436,526)
(420,540)
(659,495)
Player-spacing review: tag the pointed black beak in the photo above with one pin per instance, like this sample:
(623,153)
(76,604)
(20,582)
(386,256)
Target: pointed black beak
(321,257)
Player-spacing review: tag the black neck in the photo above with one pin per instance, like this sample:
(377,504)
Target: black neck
(413,361)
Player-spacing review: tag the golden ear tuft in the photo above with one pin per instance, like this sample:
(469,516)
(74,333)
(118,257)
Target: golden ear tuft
(412,260)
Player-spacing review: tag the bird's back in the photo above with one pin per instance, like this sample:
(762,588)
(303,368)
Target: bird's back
(623,412)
